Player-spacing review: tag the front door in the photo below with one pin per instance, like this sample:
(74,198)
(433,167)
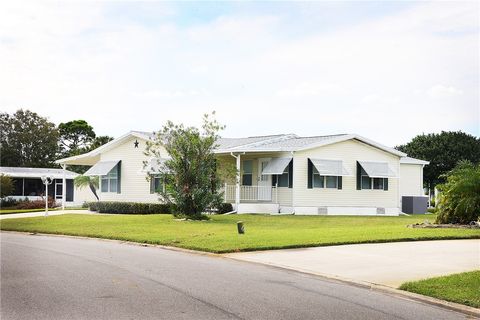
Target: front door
(264,181)
(58,190)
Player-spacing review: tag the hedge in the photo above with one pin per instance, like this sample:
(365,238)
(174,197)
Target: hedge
(129,207)
(141,208)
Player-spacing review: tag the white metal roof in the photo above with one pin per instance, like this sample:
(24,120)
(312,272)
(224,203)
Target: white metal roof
(155,165)
(409,160)
(22,172)
(276,166)
(378,169)
(271,143)
(101,168)
(327,167)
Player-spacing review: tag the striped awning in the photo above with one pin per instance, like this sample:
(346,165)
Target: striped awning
(330,167)
(378,169)
(101,168)
(276,166)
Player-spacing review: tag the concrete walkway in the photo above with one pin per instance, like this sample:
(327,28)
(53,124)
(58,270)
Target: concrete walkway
(42,213)
(389,264)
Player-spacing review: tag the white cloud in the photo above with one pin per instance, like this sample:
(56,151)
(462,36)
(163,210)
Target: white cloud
(311,89)
(71,61)
(440,91)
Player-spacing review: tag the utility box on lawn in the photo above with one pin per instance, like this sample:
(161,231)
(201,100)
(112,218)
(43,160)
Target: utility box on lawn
(414,204)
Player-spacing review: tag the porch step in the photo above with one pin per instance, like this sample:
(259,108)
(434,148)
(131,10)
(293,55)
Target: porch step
(258,208)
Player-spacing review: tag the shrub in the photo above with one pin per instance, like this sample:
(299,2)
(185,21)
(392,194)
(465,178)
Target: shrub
(129,207)
(92,206)
(8,202)
(6,186)
(224,208)
(460,195)
(36,204)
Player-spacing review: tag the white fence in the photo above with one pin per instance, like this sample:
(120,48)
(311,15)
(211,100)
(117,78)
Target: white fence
(251,193)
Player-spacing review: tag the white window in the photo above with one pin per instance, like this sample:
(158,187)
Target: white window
(282,179)
(110,181)
(319,181)
(247,175)
(156,184)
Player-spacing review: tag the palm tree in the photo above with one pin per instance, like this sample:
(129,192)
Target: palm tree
(82,181)
(460,195)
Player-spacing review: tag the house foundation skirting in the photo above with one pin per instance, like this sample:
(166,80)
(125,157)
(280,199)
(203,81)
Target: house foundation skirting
(270,208)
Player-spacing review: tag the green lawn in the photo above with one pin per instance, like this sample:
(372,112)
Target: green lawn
(10,211)
(462,288)
(220,234)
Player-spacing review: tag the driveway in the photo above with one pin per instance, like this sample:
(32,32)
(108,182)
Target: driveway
(389,264)
(54,277)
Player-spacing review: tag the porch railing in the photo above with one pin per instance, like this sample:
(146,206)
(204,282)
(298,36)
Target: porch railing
(251,193)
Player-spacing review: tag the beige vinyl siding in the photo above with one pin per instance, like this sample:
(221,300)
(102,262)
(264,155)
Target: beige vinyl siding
(284,196)
(134,186)
(411,180)
(350,152)
(81,195)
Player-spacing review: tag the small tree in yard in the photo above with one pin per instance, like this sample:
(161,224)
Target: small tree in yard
(6,186)
(190,176)
(460,195)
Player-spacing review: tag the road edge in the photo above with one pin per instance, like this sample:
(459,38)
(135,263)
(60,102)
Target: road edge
(362,284)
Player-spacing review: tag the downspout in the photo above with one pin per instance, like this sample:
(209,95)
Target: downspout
(64,186)
(237,183)
(398,187)
(293,182)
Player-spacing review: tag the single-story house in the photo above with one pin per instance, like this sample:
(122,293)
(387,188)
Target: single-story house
(28,184)
(343,174)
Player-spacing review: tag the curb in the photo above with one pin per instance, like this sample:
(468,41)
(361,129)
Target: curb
(379,288)
(361,284)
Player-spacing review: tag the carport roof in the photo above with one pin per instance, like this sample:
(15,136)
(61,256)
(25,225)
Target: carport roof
(22,172)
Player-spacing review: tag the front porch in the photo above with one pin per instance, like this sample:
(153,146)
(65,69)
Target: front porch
(259,199)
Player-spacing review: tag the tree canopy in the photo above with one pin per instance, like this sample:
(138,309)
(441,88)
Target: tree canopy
(75,136)
(189,175)
(444,151)
(27,140)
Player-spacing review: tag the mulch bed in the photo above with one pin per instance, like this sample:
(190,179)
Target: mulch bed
(428,225)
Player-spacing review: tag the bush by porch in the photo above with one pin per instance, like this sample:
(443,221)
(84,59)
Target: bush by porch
(219,234)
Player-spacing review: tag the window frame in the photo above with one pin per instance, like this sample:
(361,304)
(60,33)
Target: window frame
(380,186)
(323,180)
(247,173)
(286,178)
(105,181)
(161,182)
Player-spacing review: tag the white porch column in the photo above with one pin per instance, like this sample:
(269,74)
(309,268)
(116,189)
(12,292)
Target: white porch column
(64,186)
(237,186)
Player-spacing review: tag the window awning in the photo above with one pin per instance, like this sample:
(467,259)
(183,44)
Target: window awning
(330,167)
(276,166)
(378,169)
(154,166)
(101,168)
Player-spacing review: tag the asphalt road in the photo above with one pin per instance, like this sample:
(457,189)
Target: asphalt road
(66,278)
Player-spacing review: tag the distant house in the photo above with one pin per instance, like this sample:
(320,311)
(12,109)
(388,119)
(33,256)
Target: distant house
(343,174)
(28,184)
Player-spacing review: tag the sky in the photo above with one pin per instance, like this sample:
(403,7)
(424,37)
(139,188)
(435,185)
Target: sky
(385,70)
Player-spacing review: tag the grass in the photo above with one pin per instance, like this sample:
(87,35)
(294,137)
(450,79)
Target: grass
(10,211)
(461,288)
(219,234)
